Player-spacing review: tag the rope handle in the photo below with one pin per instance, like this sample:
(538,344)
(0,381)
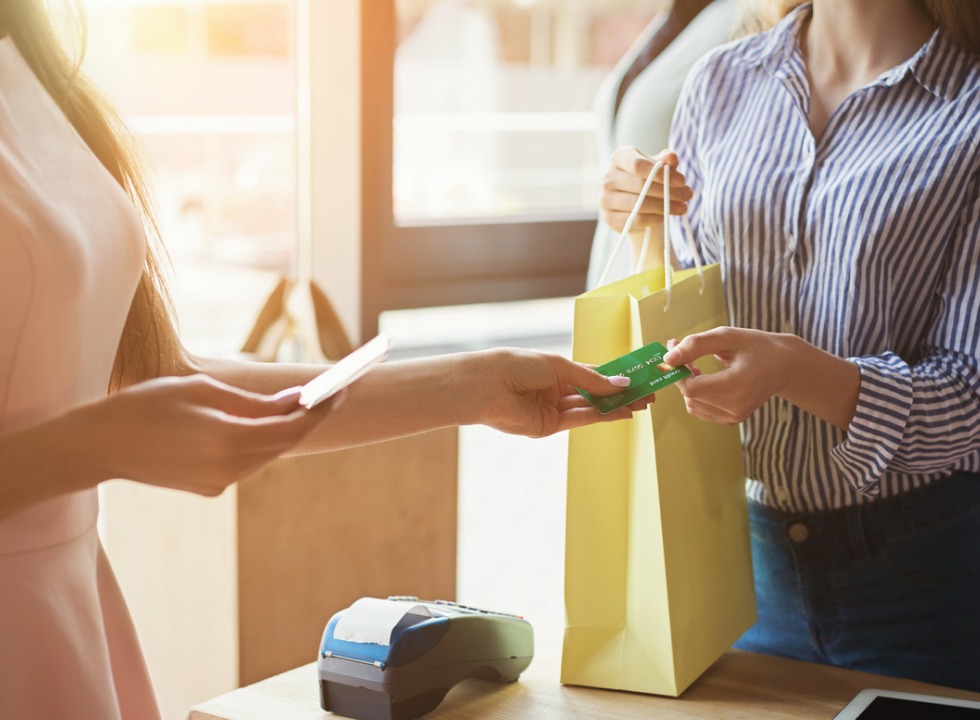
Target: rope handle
(668,266)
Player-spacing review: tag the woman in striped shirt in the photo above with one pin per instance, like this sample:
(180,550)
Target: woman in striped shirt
(832,166)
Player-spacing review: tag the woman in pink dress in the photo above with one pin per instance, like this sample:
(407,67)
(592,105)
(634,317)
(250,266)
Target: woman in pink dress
(94,385)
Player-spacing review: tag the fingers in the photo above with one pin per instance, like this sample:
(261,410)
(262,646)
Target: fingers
(712,342)
(583,411)
(694,370)
(642,403)
(620,181)
(252,425)
(295,390)
(288,427)
(613,200)
(571,402)
(243,445)
(245,404)
(580,376)
(208,392)
(708,412)
(580,417)
(636,163)
(624,182)
(216,433)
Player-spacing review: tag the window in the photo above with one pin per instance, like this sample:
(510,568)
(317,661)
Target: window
(493,105)
(480,119)
(479,172)
(208,87)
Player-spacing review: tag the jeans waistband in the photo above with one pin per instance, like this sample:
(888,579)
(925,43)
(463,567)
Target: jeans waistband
(862,528)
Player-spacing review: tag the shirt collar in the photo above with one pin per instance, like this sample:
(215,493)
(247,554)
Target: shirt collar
(939,66)
(780,46)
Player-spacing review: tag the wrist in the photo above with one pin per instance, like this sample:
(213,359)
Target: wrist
(790,352)
(80,448)
(470,392)
(43,462)
(817,381)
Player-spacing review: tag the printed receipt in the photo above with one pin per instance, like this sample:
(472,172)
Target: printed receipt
(371,620)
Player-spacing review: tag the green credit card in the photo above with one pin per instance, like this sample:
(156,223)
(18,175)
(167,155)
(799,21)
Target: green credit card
(647,372)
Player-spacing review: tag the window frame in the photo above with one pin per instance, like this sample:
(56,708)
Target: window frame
(454,262)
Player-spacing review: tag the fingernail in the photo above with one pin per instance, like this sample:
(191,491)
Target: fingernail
(671,358)
(292,392)
(619,380)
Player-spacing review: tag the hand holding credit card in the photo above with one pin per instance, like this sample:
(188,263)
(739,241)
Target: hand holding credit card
(647,371)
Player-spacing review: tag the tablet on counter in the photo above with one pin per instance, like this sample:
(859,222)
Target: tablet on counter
(886,705)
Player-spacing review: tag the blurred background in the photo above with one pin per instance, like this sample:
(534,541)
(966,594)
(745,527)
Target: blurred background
(492,120)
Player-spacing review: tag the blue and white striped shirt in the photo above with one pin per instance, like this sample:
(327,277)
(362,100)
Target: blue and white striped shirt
(865,243)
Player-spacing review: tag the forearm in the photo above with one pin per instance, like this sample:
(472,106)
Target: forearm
(45,461)
(819,382)
(395,399)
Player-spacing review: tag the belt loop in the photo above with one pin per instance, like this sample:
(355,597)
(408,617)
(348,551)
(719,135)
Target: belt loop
(856,532)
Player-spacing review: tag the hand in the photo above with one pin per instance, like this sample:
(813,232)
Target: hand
(623,182)
(530,393)
(755,363)
(193,433)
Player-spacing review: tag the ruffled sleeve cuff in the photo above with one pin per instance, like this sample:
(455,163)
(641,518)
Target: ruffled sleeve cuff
(876,431)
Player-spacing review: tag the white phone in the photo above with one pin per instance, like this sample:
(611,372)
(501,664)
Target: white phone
(345,371)
(886,705)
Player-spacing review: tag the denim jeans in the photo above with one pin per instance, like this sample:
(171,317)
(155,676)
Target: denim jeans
(889,587)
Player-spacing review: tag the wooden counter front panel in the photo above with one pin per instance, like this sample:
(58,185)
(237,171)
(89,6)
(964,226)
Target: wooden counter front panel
(316,533)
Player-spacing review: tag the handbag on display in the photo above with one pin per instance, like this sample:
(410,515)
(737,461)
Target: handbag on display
(297,323)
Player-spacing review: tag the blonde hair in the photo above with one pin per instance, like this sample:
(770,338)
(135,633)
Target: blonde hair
(759,15)
(959,19)
(149,345)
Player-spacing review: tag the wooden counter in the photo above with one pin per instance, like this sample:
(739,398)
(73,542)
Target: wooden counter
(740,685)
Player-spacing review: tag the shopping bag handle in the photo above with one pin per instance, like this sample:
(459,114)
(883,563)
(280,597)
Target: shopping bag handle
(668,268)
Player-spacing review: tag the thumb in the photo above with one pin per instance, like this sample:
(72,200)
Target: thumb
(594,383)
(693,347)
(245,404)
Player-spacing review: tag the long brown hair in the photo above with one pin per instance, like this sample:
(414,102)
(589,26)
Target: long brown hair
(149,345)
(959,19)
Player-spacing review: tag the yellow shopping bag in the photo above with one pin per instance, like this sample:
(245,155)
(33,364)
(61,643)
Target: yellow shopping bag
(658,566)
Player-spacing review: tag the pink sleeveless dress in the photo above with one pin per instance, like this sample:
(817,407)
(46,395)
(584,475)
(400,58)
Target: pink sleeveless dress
(71,253)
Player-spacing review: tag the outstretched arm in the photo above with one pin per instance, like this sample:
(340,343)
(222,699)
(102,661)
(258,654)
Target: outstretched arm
(222,420)
(515,391)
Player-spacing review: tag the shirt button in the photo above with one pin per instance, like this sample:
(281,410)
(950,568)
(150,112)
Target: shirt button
(798,532)
(784,413)
(781,494)
(788,327)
